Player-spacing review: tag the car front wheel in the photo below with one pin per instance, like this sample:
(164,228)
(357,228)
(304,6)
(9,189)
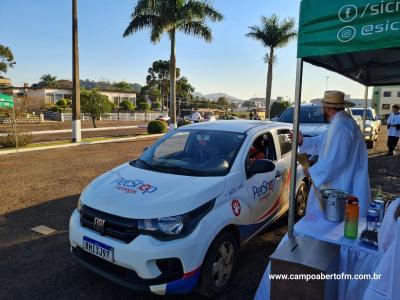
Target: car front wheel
(219,265)
(301,200)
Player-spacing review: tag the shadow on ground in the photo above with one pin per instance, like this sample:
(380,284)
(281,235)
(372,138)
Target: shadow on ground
(40,267)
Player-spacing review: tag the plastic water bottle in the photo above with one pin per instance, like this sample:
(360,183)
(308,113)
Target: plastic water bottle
(351,218)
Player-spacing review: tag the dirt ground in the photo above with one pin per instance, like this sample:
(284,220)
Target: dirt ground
(43,187)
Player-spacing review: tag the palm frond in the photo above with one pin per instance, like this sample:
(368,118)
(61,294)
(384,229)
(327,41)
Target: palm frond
(198,29)
(140,22)
(201,10)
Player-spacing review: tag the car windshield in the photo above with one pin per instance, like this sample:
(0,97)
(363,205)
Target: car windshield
(360,112)
(308,114)
(193,153)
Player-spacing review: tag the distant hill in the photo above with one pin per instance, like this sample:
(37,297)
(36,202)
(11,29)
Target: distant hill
(215,96)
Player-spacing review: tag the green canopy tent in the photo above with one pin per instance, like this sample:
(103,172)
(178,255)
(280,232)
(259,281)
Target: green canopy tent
(359,39)
(6,101)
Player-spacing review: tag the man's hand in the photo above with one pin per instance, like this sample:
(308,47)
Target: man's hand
(300,139)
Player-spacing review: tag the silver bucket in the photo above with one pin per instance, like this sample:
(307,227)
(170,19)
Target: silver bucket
(334,204)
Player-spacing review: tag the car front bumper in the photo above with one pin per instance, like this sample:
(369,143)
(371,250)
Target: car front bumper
(135,263)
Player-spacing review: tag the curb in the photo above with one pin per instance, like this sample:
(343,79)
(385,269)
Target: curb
(5,152)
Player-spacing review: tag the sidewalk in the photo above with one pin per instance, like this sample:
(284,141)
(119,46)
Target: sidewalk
(83,130)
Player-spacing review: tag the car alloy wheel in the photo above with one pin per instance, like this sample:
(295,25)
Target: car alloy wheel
(219,265)
(223,265)
(301,200)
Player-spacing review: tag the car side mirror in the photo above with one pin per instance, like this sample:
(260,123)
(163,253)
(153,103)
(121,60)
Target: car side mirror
(261,166)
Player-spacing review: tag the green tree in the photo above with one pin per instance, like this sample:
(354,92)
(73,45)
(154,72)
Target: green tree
(277,108)
(47,81)
(6,59)
(62,104)
(127,105)
(95,104)
(159,77)
(123,87)
(222,102)
(170,16)
(272,34)
(248,104)
(184,89)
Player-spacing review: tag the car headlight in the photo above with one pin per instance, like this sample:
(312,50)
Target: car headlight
(174,227)
(368,129)
(79,204)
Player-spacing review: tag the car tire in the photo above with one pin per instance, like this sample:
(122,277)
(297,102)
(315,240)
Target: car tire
(301,200)
(370,144)
(219,265)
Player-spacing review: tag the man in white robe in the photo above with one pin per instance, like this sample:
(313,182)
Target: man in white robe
(343,157)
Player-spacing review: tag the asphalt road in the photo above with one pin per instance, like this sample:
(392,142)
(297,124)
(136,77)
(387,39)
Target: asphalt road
(42,188)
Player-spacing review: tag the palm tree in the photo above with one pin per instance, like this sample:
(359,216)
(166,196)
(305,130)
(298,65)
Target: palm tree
(272,34)
(170,16)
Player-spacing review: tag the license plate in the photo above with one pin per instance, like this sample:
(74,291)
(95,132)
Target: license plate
(99,249)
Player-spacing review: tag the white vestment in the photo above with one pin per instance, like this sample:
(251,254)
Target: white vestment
(342,162)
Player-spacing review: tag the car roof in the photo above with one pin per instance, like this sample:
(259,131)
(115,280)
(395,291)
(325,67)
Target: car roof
(240,126)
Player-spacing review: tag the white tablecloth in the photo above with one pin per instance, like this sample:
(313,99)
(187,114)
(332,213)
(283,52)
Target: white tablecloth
(355,257)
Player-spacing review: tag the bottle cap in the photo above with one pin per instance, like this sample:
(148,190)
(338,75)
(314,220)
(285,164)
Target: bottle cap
(352,200)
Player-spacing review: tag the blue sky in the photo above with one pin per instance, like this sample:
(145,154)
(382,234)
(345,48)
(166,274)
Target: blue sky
(39,34)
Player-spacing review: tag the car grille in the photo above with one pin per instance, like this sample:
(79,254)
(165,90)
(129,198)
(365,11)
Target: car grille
(120,228)
(122,275)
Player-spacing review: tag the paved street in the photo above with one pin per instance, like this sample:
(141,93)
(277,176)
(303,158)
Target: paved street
(42,188)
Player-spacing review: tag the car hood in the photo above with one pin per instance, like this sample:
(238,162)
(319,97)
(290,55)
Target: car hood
(313,129)
(131,192)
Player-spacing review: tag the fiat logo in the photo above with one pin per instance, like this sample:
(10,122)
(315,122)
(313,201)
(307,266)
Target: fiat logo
(98,225)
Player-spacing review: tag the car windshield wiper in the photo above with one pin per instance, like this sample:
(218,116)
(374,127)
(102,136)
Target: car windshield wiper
(147,165)
(180,170)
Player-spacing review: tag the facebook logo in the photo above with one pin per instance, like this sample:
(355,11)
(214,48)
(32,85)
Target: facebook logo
(348,13)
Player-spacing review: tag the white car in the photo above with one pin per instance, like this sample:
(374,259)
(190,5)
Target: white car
(372,125)
(172,221)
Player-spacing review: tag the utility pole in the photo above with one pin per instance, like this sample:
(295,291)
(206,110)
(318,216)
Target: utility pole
(76,90)
(326,84)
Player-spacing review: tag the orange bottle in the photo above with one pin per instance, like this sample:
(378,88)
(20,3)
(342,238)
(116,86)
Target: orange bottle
(351,218)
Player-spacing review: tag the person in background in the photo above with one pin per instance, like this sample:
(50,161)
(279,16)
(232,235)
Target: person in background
(343,158)
(393,124)
(257,150)
(196,116)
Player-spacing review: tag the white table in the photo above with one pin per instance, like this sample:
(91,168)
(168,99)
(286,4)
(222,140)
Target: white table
(355,257)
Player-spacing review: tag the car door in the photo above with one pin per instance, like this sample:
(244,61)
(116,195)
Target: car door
(282,167)
(263,188)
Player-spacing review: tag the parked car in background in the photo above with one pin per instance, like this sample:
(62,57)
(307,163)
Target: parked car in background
(372,124)
(312,121)
(165,119)
(173,220)
(209,117)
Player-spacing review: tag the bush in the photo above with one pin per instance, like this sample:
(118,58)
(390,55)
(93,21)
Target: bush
(127,105)
(156,127)
(184,123)
(144,106)
(10,140)
(156,106)
(62,103)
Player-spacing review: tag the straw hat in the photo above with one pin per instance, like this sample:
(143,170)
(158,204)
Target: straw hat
(334,99)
